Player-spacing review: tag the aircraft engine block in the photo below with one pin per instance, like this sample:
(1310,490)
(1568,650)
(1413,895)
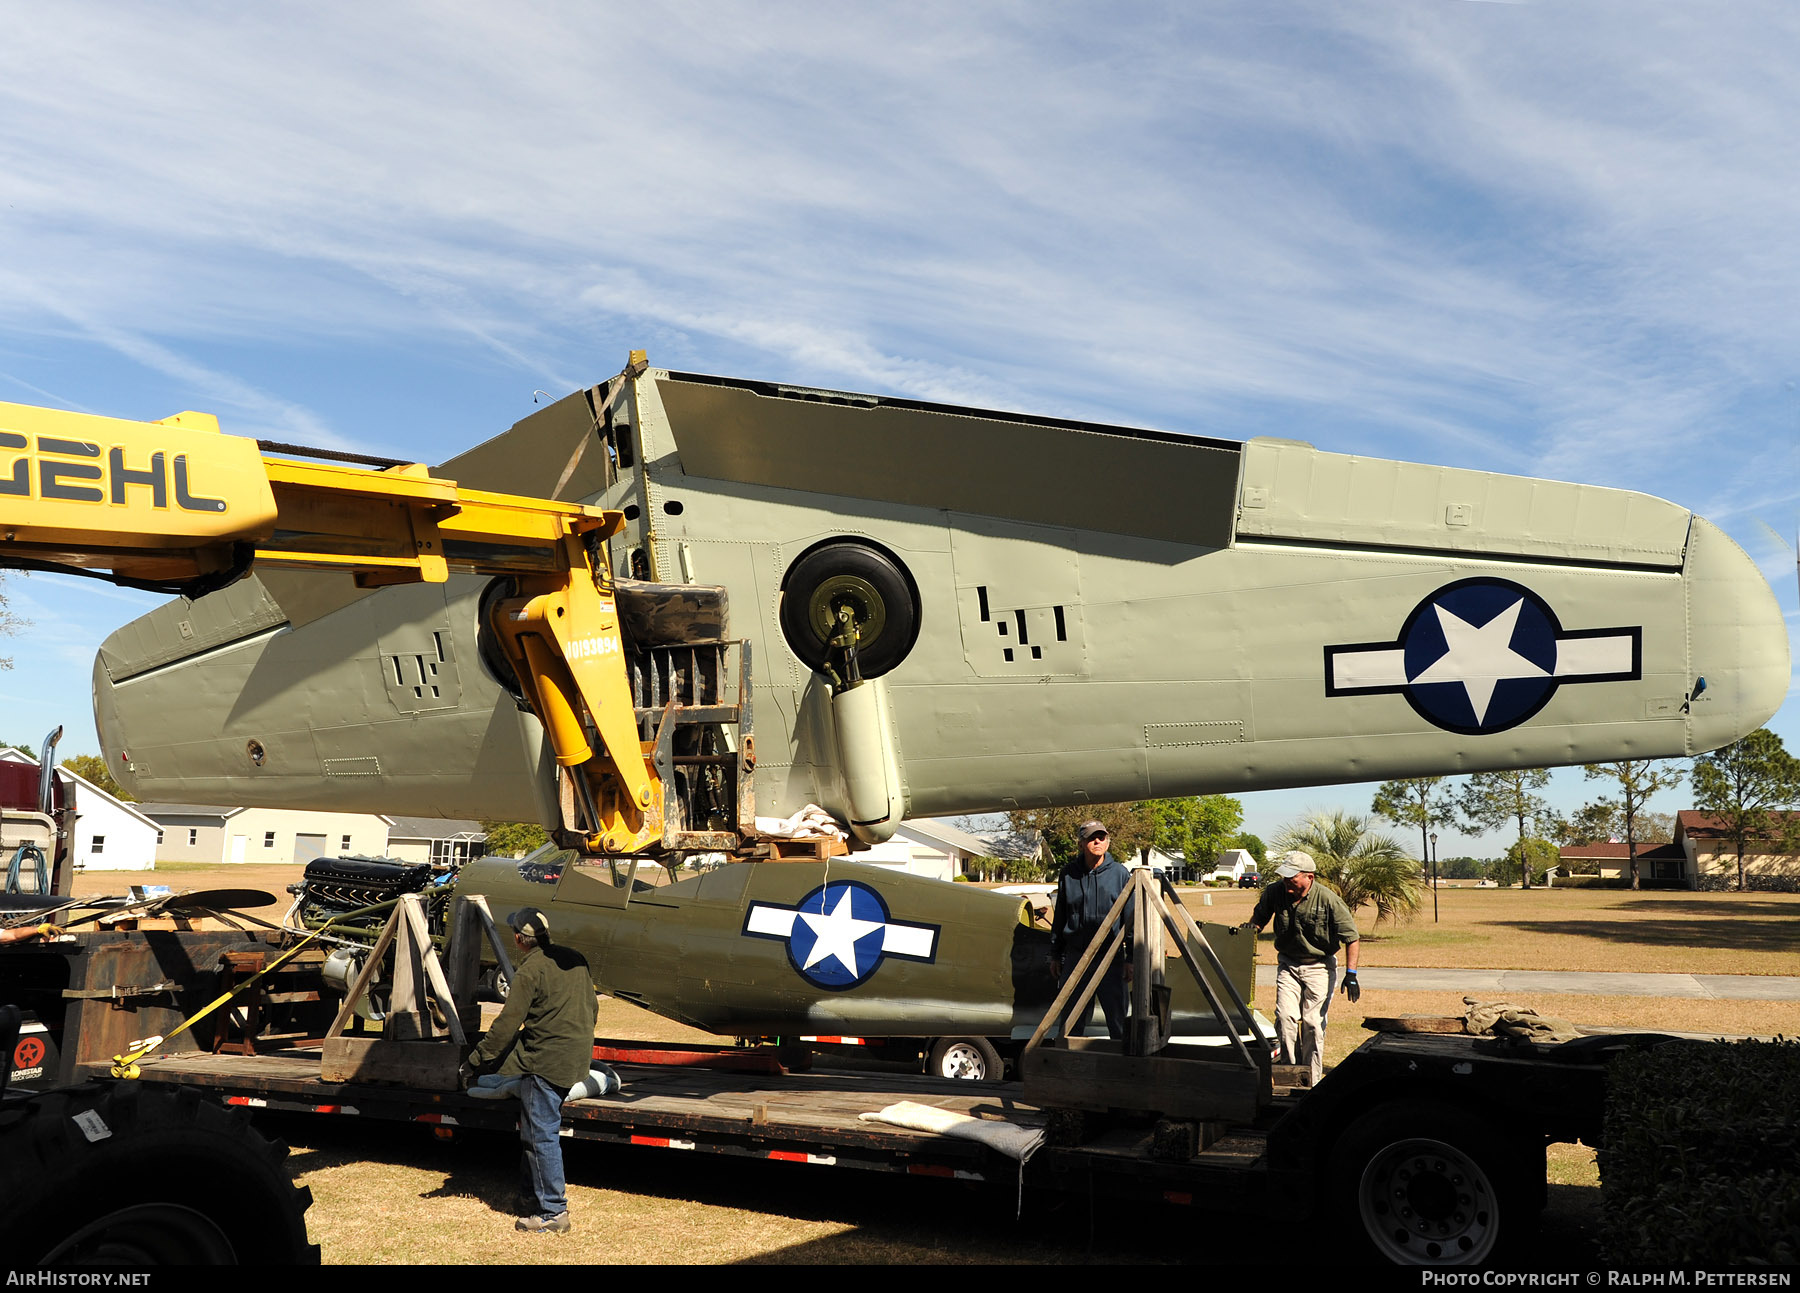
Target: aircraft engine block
(338,886)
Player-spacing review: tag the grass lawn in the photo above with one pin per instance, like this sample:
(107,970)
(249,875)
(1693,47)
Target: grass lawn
(1648,932)
(272,878)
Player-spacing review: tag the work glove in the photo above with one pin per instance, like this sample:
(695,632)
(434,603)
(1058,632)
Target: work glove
(1352,988)
(48,931)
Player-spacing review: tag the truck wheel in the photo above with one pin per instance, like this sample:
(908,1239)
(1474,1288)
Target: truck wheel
(134,1174)
(1428,1184)
(969,1059)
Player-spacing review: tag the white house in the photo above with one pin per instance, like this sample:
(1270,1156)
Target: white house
(110,834)
(1170,864)
(441,840)
(1233,865)
(926,847)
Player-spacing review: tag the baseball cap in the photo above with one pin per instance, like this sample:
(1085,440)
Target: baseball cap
(1089,830)
(531,921)
(1294,863)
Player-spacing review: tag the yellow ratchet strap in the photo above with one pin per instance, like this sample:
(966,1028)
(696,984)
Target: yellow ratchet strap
(126,1066)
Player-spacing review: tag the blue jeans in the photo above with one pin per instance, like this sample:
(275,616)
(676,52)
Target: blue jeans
(1111,996)
(540,1125)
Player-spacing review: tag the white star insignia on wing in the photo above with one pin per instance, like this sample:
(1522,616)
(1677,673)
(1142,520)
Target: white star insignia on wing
(1479,657)
(837,934)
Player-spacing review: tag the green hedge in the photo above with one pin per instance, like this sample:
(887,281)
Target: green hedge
(1702,1158)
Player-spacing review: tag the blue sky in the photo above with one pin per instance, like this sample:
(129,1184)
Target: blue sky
(1543,239)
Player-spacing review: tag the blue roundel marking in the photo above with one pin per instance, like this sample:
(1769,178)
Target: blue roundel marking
(1478,602)
(827,905)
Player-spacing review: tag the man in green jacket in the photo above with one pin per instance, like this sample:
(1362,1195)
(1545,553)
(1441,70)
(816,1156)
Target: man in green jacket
(545,1037)
(1311,923)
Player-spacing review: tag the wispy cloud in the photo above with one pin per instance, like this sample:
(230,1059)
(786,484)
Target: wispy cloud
(1465,223)
(1536,239)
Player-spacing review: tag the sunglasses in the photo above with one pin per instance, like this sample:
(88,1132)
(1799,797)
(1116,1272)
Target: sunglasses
(1098,835)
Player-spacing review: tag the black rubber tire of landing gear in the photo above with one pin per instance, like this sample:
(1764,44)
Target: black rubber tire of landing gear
(131,1174)
(874,586)
(493,986)
(969,1059)
(1427,1183)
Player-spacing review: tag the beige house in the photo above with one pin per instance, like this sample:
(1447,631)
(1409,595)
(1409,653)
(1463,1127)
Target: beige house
(1711,855)
(1611,860)
(1702,855)
(208,833)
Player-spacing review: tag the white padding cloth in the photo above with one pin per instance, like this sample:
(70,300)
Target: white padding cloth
(1008,1138)
(810,820)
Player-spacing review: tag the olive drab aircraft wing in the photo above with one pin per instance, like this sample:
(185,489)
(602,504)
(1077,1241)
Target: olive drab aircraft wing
(955,610)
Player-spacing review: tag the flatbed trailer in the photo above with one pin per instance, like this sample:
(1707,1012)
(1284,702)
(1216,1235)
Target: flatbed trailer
(812,1118)
(1429,1146)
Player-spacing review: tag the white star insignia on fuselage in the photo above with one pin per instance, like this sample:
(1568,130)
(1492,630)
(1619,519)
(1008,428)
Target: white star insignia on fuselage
(1521,643)
(827,930)
(837,934)
(1479,657)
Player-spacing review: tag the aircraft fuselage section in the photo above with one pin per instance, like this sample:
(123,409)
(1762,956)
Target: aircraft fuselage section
(1100,615)
(778,948)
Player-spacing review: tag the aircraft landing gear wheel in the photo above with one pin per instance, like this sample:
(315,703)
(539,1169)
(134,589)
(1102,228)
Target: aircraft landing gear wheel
(135,1174)
(1428,1184)
(493,986)
(872,585)
(968,1059)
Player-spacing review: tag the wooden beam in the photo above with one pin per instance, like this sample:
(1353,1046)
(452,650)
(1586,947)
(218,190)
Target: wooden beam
(1080,1074)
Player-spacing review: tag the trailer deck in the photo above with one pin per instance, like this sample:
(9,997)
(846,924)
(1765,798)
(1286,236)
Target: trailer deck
(812,1118)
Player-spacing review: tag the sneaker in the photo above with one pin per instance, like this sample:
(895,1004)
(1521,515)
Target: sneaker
(539,1224)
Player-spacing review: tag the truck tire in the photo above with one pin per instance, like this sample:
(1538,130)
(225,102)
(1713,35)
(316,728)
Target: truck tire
(969,1059)
(1428,1183)
(134,1174)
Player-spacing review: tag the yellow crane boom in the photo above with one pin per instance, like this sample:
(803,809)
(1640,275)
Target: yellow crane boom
(177,506)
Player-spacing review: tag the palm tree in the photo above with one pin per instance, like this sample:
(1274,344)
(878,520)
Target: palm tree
(1360,864)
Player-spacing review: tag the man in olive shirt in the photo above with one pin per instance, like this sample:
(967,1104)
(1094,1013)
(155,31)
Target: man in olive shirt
(545,1037)
(1311,923)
